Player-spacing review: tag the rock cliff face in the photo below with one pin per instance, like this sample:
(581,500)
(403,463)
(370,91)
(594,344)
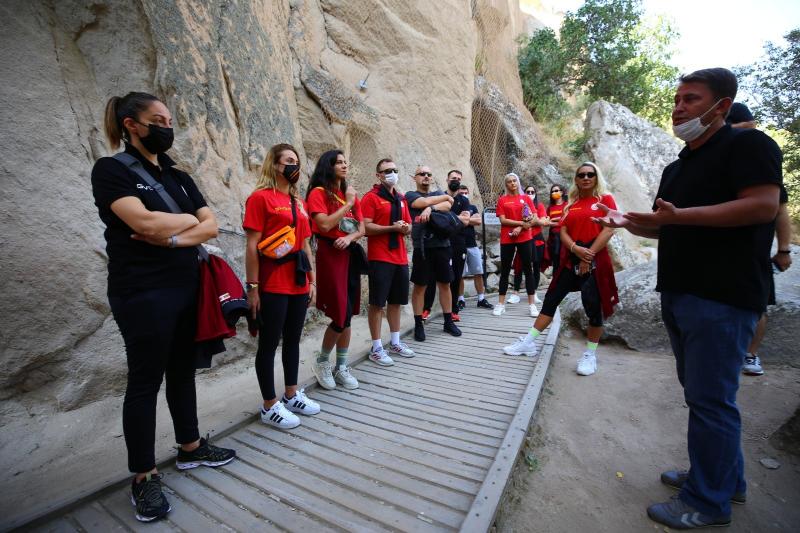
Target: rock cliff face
(238,77)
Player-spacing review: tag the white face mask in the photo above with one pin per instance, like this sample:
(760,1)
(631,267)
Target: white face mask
(465,195)
(692,129)
(391,179)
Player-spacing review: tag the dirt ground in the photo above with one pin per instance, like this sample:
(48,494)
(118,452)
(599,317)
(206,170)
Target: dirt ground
(598,445)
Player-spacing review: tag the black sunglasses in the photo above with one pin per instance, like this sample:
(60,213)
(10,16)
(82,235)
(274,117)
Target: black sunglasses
(530,192)
(425,174)
(387,171)
(586,175)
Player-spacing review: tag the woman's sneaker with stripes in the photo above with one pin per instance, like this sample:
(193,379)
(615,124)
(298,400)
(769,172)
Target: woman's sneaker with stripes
(204,455)
(401,349)
(300,403)
(279,416)
(149,499)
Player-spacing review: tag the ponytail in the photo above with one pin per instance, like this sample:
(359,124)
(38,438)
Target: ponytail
(118,109)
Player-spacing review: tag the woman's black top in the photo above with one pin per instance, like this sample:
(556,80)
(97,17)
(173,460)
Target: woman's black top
(135,265)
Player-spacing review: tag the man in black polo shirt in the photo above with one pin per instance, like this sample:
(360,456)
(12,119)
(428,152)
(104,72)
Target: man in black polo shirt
(714,217)
(431,261)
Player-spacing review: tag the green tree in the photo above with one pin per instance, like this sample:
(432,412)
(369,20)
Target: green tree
(774,83)
(606,51)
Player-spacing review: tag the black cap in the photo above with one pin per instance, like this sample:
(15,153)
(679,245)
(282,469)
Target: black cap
(739,113)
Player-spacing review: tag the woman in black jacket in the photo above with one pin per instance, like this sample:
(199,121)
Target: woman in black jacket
(153,277)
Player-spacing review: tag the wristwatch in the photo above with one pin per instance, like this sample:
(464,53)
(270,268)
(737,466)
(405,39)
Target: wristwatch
(249,286)
(784,251)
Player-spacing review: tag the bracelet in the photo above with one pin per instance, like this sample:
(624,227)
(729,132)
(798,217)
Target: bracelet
(784,251)
(173,241)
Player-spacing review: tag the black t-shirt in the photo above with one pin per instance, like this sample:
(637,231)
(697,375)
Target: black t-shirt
(460,204)
(728,265)
(469,231)
(135,265)
(420,231)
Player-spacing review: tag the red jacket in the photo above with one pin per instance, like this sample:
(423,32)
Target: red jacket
(221,301)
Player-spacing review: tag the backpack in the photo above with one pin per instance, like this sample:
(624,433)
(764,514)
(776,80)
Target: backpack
(444,224)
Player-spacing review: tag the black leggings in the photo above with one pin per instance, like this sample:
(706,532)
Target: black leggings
(524,249)
(158,327)
(282,316)
(536,257)
(554,247)
(569,281)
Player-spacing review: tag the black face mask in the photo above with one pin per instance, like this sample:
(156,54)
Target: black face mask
(158,140)
(454,185)
(291,173)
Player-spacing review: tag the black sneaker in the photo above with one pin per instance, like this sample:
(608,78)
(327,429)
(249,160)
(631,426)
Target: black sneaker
(452,329)
(678,514)
(419,332)
(485,304)
(461,305)
(204,455)
(676,479)
(149,499)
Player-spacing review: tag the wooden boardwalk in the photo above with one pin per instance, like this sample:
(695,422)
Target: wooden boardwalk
(425,445)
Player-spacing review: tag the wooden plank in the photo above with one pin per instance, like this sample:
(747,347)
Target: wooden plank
(399,378)
(443,418)
(469,452)
(490,354)
(216,504)
(366,503)
(295,496)
(409,423)
(412,441)
(118,503)
(413,404)
(476,369)
(257,499)
(373,451)
(368,465)
(449,395)
(92,517)
(367,484)
(189,518)
(453,379)
(458,409)
(521,371)
(481,515)
(61,524)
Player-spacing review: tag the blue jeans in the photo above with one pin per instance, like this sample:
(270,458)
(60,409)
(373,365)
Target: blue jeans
(710,340)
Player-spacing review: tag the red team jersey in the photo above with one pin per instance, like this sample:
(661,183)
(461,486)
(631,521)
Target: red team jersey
(578,219)
(267,211)
(541,212)
(511,207)
(319,201)
(379,210)
(554,212)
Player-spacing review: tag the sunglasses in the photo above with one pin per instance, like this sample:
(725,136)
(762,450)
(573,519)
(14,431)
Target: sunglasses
(586,175)
(425,174)
(530,192)
(387,171)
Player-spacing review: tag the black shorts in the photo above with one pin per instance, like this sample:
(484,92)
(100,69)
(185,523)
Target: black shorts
(388,283)
(771,297)
(568,281)
(434,267)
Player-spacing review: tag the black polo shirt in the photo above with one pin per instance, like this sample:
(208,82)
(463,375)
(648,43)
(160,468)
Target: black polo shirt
(136,265)
(469,231)
(728,265)
(420,231)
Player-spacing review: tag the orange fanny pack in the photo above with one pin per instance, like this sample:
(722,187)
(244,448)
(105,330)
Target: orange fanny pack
(279,243)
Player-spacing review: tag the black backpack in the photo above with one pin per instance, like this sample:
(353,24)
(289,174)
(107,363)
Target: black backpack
(444,224)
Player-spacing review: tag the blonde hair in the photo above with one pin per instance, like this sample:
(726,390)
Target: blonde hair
(599,185)
(268,178)
(519,184)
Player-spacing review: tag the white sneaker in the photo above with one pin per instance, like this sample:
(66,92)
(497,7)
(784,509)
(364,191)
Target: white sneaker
(499,309)
(380,357)
(536,300)
(280,417)
(344,378)
(300,403)
(534,311)
(401,349)
(521,347)
(512,299)
(324,374)
(752,365)
(587,364)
